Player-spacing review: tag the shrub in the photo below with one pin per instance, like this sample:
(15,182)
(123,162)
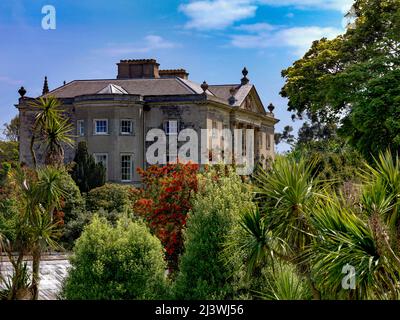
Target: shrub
(216,208)
(121,262)
(110,197)
(86,173)
(164,203)
(284,283)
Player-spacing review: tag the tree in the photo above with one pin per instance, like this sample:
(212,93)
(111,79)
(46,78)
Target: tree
(33,227)
(285,136)
(164,203)
(203,274)
(11,130)
(54,135)
(352,80)
(286,195)
(365,236)
(86,173)
(9,152)
(113,263)
(51,128)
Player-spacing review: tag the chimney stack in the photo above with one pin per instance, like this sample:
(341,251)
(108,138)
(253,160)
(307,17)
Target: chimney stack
(138,69)
(180,73)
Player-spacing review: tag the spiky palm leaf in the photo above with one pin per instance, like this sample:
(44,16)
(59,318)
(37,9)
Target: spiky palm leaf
(285,284)
(55,135)
(286,194)
(343,237)
(253,243)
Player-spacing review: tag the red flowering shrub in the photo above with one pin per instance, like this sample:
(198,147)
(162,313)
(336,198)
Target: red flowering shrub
(165,202)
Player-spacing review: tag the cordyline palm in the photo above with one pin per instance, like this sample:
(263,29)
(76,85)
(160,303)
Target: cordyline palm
(363,237)
(286,194)
(55,134)
(40,195)
(50,127)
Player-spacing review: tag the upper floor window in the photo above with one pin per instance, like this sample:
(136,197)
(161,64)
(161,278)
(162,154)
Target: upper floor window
(126,126)
(171,127)
(101,126)
(80,128)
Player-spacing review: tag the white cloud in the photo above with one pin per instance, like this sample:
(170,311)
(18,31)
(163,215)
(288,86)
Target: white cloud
(256,27)
(10,81)
(149,43)
(297,38)
(216,14)
(219,14)
(338,5)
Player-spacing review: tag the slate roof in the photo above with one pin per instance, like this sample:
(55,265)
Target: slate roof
(150,87)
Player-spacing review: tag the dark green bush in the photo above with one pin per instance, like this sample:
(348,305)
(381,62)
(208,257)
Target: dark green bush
(87,173)
(121,262)
(110,197)
(203,273)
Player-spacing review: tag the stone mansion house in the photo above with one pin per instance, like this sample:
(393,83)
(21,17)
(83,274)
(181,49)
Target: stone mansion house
(113,116)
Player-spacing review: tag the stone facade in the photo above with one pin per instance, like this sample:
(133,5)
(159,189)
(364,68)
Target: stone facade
(113,116)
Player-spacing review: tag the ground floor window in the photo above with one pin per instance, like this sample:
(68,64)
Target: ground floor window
(126,167)
(101,158)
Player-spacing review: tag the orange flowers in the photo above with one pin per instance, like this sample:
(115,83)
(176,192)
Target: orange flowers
(165,201)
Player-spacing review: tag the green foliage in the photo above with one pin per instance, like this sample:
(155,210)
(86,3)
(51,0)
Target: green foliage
(110,197)
(9,152)
(284,283)
(33,228)
(216,210)
(86,173)
(332,160)
(352,80)
(364,236)
(52,129)
(109,201)
(121,262)
(11,130)
(286,195)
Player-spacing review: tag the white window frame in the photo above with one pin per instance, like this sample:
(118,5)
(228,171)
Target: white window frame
(102,154)
(80,128)
(131,167)
(95,127)
(167,127)
(126,133)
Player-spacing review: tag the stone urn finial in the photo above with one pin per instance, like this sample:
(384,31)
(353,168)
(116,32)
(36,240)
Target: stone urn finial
(204,86)
(271,107)
(245,80)
(22,92)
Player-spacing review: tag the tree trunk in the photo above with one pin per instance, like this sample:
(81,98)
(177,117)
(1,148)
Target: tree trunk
(32,148)
(36,255)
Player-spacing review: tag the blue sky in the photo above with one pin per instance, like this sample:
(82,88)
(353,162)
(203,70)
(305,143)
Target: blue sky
(212,39)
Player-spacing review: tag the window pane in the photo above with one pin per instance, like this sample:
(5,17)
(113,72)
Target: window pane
(172,127)
(101,126)
(126,126)
(126,168)
(81,128)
